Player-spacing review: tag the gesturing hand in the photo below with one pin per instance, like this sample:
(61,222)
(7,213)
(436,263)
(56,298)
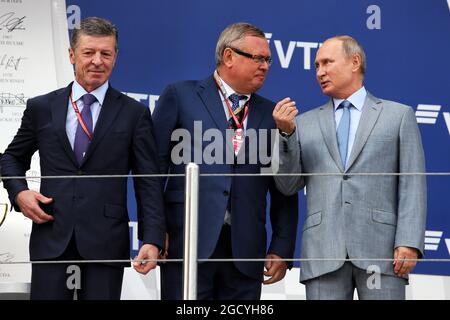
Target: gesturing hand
(284,115)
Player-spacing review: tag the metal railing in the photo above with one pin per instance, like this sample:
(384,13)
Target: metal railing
(190,261)
(190,232)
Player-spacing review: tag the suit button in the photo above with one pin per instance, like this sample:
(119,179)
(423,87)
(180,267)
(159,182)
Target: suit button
(226,193)
(346,177)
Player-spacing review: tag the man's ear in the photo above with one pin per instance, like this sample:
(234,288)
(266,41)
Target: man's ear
(115,58)
(228,57)
(72,56)
(356,62)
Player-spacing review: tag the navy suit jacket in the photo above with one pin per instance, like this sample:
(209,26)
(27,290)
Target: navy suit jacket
(177,108)
(94,209)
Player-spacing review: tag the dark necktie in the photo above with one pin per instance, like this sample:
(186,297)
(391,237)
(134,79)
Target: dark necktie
(82,141)
(343,130)
(239,113)
(237,110)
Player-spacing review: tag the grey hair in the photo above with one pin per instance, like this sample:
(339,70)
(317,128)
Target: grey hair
(352,47)
(232,35)
(94,26)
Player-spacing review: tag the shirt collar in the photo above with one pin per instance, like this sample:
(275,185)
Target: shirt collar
(228,90)
(78,91)
(356,99)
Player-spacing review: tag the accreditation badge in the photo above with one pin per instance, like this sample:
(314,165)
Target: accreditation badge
(238,139)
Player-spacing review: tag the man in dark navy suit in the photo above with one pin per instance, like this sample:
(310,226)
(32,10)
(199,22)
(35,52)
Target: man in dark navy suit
(232,210)
(87,128)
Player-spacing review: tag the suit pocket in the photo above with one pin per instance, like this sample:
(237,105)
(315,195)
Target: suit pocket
(381,135)
(313,220)
(384,217)
(381,139)
(116,212)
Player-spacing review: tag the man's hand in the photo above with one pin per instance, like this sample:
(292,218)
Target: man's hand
(163,255)
(402,267)
(147,252)
(28,202)
(284,115)
(276,270)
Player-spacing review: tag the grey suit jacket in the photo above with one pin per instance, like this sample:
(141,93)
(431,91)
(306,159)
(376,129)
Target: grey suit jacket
(362,216)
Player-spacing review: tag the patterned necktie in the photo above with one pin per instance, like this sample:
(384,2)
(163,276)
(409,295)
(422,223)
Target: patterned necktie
(82,141)
(343,130)
(237,110)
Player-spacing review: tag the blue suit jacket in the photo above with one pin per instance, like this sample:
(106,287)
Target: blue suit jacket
(178,107)
(94,209)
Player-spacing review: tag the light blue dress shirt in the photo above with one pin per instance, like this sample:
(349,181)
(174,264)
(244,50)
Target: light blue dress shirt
(357,100)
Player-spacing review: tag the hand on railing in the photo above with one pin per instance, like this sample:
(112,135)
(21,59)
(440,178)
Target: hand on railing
(147,252)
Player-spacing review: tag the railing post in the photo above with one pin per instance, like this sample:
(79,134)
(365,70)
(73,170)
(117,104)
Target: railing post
(190,232)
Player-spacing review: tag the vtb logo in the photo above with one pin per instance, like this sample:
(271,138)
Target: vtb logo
(433,239)
(428,114)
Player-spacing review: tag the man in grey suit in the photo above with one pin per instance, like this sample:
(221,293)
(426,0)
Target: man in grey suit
(352,217)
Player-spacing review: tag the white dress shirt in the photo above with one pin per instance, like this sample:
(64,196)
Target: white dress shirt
(228,91)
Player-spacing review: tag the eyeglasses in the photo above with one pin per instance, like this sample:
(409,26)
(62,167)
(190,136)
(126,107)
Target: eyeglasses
(3,212)
(256,58)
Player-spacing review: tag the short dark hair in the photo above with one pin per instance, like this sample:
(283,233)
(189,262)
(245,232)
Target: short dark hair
(94,26)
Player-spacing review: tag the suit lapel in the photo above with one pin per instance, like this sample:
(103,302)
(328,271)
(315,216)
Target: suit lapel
(328,129)
(59,118)
(109,111)
(370,113)
(255,113)
(254,118)
(209,94)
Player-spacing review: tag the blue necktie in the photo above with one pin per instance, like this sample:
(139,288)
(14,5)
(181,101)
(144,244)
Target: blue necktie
(343,130)
(82,141)
(239,112)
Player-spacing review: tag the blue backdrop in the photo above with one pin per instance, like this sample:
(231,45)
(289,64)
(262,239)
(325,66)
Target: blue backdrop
(406,42)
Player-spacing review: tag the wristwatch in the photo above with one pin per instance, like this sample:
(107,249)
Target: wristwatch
(285,134)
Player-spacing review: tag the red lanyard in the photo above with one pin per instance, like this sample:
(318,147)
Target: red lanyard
(230,110)
(80,118)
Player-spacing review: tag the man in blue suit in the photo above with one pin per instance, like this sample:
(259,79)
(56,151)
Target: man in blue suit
(87,128)
(232,209)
